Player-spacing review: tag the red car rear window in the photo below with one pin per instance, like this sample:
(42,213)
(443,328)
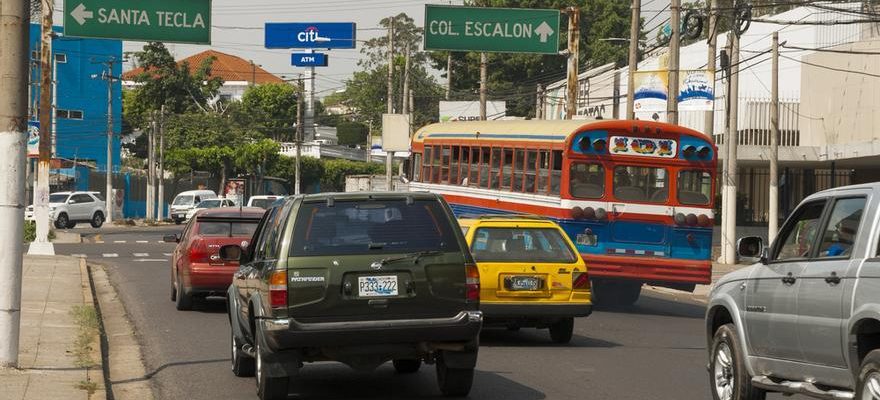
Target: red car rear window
(226,229)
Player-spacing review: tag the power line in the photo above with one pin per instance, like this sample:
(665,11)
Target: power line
(833,68)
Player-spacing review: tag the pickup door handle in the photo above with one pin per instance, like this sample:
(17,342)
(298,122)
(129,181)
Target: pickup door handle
(833,279)
(789,279)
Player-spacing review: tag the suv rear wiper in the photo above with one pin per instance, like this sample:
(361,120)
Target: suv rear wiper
(415,256)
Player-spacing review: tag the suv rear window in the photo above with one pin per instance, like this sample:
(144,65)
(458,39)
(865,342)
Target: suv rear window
(521,245)
(372,227)
(227,228)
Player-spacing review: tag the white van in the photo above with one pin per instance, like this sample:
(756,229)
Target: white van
(185,201)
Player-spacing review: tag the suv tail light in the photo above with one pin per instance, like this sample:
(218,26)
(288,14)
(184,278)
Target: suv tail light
(472,282)
(580,281)
(278,289)
(199,252)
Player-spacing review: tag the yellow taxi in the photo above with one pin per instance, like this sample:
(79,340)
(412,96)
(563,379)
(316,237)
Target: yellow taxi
(531,275)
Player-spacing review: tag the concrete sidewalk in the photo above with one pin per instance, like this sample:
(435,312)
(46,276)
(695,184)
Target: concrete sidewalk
(701,292)
(55,361)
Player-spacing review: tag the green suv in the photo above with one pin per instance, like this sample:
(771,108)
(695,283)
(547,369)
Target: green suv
(359,278)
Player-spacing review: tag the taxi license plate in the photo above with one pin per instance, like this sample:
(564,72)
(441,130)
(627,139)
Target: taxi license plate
(522,283)
(377,286)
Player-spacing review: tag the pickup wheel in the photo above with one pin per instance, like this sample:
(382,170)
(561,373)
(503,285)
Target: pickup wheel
(407,366)
(184,298)
(62,221)
(97,220)
(562,330)
(453,382)
(242,364)
(267,388)
(728,375)
(869,377)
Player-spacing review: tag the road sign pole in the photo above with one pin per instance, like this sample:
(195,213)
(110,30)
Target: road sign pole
(484,78)
(14,17)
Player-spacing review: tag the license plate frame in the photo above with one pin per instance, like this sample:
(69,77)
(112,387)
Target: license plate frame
(372,286)
(523,283)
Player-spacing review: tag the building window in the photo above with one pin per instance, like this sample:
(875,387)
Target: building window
(69,114)
(61,58)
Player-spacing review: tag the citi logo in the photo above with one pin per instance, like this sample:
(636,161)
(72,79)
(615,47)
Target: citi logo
(311,35)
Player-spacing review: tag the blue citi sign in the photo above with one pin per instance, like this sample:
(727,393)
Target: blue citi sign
(320,35)
(309,59)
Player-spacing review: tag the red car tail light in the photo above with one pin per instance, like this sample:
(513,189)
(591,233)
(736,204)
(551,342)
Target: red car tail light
(472,282)
(199,252)
(278,289)
(580,281)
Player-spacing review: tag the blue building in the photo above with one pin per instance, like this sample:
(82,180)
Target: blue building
(81,95)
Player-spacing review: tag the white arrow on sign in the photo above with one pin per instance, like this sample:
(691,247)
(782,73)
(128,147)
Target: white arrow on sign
(543,31)
(80,14)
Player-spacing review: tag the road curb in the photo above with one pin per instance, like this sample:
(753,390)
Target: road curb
(677,295)
(125,373)
(93,374)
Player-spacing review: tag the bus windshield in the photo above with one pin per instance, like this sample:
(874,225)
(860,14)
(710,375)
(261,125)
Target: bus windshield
(587,181)
(641,184)
(694,187)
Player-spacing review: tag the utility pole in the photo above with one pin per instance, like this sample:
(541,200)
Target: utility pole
(299,135)
(635,24)
(571,103)
(389,156)
(14,26)
(615,103)
(309,103)
(110,197)
(674,44)
(484,84)
(162,163)
(253,74)
(732,141)
(405,106)
(709,128)
(41,244)
(151,162)
(539,102)
(774,143)
(448,75)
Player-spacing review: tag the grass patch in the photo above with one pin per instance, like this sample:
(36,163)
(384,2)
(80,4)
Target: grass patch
(88,386)
(86,319)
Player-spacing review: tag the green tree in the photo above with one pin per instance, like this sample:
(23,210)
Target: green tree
(270,109)
(335,171)
(199,130)
(351,133)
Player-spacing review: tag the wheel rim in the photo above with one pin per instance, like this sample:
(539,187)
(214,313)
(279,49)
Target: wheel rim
(871,388)
(62,220)
(723,372)
(98,219)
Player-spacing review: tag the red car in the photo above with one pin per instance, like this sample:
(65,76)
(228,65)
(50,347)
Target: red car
(196,268)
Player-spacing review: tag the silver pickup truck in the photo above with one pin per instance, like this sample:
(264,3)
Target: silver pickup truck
(805,319)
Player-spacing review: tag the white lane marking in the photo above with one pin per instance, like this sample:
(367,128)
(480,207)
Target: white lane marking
(78,255)
(141,255)
(150,260)
(119,241)
(142,241)
(161,241)
(110,255)
(167,254)
(99,241)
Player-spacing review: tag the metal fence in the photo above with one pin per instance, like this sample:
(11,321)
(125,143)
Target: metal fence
(753,199)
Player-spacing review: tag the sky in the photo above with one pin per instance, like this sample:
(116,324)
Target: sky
(238,30)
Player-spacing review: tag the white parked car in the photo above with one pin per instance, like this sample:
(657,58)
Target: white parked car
(67,209)
(186,201)
(262,201)
(210,203)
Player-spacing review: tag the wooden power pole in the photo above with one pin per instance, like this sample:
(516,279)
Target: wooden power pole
(773,226)
(674,44)
(571,101)
(635,24)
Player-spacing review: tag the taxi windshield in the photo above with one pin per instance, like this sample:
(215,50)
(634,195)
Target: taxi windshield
(521,245)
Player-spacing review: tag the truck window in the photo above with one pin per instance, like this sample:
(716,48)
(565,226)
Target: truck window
(839,235)
(799,235)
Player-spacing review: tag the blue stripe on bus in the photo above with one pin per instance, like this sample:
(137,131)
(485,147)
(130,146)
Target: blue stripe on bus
(495,136)
(675,244)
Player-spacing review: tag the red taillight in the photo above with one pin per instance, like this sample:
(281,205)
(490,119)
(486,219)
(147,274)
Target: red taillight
(580,281)
(691,219)
(278,289)
(472,282)
(577,212)
(704,220)
(199,252)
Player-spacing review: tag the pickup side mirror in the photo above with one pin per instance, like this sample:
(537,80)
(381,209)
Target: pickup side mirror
(171,238)
(231,252)
(751,249)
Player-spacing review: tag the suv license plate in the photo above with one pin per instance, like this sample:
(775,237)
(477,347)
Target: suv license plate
(522,283)
(377,286)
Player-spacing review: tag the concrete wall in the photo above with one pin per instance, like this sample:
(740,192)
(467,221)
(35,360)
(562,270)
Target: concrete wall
(847,102)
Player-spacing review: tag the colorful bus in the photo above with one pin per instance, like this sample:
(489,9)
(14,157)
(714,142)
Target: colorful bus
(635,196)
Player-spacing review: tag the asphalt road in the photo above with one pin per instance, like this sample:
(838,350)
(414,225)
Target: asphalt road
(654,350)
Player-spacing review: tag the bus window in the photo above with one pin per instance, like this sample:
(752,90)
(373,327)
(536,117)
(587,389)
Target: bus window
(444,175)
(518,169)
(474,179)
(435,165)
(495,173)
(465,162)
(507,169)
(645,184)
(586,181)
(543,171)
(426,166)
(694,187)
(556,173)
(417,167)
(531,164)
(454,165)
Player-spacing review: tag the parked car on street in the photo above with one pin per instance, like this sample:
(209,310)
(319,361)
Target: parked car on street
(185,201)
(66,209)
(805,319)
(531,275)
(360,278)
(210,203)
(262,201)
(196,267)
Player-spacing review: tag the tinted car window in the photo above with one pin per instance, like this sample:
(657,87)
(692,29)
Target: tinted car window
(99,196)
(227,229)
(58,198)
(183,200)
(83,198)
(521,244)
(375,227)
(843,225)
(799,236)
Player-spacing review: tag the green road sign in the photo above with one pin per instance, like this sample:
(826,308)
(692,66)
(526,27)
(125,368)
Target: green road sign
(504,30)
(178,21)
